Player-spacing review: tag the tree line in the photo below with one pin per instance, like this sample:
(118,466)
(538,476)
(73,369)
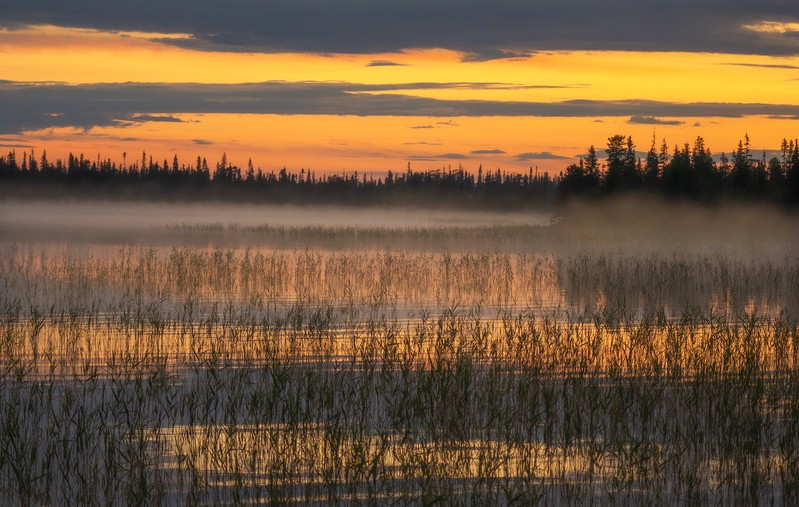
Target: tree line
(688,172)
(224,180)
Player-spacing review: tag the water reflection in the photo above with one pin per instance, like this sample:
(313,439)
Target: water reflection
(73,346)
(205,375)
(398,284)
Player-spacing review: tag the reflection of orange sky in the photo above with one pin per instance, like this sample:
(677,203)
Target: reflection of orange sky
(381,143)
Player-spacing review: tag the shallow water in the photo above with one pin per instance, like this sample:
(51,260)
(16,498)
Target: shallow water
(397,358)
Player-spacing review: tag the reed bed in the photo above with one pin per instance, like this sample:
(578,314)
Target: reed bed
(607,282)
(204,376)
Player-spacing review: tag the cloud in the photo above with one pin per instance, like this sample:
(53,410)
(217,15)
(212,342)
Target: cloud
(769,153)
(485,54)
(466,85)
(438,158)
(773,27)
(540,155)
(12,140)
(487,152)
(384,63)
(141,118)
(765,65)
(418,127)
(202,142)
(480,30)
(29,106)
(651,120)
(17,146)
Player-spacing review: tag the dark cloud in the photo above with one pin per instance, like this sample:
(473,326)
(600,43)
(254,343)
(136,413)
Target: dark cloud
(651,120)
(784,117)
(438,158)
(17,146)
(769,153)
(141,118)
(12,140)
(470,86)
(430,85)
(488,53)
(27,106)
(487,152)
(540,155)
(765,65)
(202,142)
(479,29)
(418,127)
(384,63)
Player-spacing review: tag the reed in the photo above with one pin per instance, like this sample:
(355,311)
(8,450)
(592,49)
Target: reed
(255,375)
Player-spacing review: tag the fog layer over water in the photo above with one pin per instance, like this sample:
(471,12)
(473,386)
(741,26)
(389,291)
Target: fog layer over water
(629,255)
(138,215)
(627,226)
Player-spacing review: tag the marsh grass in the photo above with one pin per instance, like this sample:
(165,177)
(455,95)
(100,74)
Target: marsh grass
(186,375)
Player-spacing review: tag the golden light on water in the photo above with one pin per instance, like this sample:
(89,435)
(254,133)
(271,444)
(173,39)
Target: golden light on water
(325,354)
(492,341)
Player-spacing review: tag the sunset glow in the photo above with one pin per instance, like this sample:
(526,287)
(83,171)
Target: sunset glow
(416,252)
(731,94)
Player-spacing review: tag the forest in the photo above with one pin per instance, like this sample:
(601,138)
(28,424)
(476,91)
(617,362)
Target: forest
(690,172)
(687,172)
(150,179)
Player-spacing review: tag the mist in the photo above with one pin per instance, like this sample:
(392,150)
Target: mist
(636,219)
(134,221)
(632,226)
(144,215)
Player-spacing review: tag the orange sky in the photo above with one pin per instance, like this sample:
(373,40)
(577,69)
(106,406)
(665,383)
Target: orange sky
(376,143)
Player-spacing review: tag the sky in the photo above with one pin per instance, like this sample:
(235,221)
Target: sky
(372,85)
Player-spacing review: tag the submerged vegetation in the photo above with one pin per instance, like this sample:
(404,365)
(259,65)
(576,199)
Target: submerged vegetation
(690,172)
(568,368)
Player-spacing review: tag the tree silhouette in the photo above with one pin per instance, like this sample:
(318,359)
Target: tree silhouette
(622,172)
(689,172)
(652,168)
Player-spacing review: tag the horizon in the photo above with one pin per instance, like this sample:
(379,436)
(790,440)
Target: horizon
(344,88)
(417,165)
(260,262)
